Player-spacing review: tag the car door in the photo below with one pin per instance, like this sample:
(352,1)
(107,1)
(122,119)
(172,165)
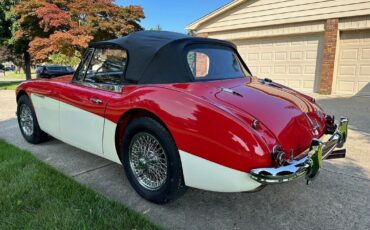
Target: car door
(84,100)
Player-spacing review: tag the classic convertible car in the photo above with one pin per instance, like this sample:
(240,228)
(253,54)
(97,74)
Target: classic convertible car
(179,111)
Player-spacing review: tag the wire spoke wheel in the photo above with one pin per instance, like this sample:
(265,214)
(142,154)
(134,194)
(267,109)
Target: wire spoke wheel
(26,120)
(148,161)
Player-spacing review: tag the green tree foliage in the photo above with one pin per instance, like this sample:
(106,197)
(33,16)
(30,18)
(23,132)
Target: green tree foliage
(60,30)
(9,50)
(62,59)
(6,20)
(67,26)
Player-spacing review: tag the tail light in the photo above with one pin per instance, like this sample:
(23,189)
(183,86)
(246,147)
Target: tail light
(278,155)
(331,127)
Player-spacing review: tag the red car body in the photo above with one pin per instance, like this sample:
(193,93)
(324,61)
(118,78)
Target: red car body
(223,128)
(201,118)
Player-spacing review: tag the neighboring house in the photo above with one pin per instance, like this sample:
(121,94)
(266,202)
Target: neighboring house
(310,45)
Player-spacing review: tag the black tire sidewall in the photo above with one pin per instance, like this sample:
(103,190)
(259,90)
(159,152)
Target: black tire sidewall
(38,135)
(174,185)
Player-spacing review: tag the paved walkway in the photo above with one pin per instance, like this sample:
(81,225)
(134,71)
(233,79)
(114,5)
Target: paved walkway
(338,199)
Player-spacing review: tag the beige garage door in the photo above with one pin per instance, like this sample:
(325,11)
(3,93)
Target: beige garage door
(292,61)
(353,74)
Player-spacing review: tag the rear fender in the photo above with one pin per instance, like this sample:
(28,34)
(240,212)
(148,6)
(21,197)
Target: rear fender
(198,127)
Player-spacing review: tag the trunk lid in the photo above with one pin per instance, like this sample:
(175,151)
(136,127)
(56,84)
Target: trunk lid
(292,118)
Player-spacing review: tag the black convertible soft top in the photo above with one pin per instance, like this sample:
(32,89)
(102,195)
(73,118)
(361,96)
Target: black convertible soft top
(158,57)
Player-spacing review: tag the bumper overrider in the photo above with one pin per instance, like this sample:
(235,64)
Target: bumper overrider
(309,165)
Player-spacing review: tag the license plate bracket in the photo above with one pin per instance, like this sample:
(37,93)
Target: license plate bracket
(314,160)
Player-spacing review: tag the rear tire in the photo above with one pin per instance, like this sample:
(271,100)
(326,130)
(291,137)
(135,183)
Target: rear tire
(28,123)
(151,161)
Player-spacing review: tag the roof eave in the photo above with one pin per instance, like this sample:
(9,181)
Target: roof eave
(194,25)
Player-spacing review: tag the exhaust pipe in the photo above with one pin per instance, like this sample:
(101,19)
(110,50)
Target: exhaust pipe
(336,154)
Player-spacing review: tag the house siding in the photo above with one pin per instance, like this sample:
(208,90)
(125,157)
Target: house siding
(270,31)
(257,13)
(343,25)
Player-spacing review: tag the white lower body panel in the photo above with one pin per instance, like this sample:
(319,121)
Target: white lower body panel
(47,113)
(109,138)
(97,135)
(203,174)
(81,129)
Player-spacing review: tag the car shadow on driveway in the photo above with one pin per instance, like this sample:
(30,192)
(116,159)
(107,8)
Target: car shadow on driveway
(338,199)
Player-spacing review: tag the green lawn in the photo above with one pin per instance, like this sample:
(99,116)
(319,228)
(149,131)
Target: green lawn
(33,195)
(8,85)
(14,75)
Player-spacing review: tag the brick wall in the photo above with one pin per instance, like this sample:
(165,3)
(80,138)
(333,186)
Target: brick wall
(201,60)
(202,65)
(328,60)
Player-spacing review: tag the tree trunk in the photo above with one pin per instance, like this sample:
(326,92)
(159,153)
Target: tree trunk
(27,63)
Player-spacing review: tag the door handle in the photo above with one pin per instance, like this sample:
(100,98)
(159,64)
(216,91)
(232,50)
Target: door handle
(96,100)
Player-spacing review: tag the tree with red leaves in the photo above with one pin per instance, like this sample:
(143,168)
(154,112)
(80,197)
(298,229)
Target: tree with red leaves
(65,27)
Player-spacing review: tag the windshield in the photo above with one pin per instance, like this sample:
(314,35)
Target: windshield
(215,63)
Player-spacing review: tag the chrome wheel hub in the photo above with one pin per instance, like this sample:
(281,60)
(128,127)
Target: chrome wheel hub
(26,120)
(148,161)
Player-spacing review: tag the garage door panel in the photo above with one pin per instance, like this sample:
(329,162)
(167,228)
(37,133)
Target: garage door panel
(366,53)
(294,61)
(294,84)
(265,70)
(353,75)
(296,55)
(254,69)
(266,56)
(281,56)
(349,54)
(308,84)
(253,56)
(311,55)
(280,69)
(310,69)
(346,86)
(347,70)
(364,70)
(295,69)
(281,81)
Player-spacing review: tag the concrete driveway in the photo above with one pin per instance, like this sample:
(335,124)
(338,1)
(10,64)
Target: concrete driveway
(338,199)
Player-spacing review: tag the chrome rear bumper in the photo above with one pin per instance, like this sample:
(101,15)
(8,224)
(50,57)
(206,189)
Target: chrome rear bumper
(309,165)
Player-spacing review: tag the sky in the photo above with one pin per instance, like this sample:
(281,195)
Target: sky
(173,15)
